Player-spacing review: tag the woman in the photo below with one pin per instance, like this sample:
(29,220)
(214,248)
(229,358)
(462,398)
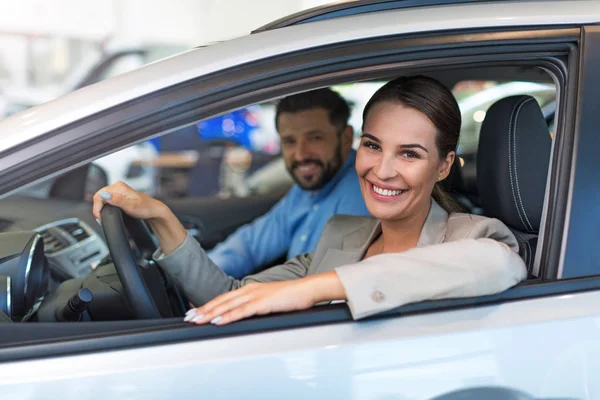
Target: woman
(414,248)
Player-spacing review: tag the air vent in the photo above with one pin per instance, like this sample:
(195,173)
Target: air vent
(76,231)
(51,243)
(62,234)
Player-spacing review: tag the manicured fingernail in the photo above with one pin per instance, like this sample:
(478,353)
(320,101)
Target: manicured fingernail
(216,320)
(197,318)
(98,221)
(105,195)
(191,311)
(191,318)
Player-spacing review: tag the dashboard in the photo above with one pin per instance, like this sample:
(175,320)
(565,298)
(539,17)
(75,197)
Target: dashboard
(52,251)
(72,248)
(42,243)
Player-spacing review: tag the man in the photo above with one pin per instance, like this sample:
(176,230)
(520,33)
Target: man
(316,143)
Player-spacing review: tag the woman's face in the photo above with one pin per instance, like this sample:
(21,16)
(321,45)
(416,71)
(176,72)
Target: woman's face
(398,162)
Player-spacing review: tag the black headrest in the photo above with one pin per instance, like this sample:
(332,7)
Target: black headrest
(512,162)
(79,184)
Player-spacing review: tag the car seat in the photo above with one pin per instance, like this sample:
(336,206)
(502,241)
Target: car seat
(512,166)
(79,184)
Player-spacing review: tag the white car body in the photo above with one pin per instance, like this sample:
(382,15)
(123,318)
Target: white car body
(546,347)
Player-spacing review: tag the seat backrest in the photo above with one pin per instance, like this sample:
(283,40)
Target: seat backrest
(512,165)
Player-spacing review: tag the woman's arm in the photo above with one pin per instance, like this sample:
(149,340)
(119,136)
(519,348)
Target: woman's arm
(202,280)
(481,261)
(180,255)
(266,298)
(465,268)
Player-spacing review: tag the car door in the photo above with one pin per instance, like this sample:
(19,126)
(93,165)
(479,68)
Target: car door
(538,338)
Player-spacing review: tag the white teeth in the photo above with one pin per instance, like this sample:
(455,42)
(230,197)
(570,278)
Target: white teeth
(386,192)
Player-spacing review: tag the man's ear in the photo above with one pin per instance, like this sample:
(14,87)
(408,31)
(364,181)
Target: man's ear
(347,138)
(447,165)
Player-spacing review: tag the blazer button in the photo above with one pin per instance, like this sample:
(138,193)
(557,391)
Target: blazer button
(377,296)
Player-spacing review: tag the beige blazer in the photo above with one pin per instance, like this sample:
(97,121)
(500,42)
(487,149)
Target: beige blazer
(457,255)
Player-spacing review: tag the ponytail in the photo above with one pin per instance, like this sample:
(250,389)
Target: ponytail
(445,200)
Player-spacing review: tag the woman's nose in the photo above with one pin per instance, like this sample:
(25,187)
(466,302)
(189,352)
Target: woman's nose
(385,169)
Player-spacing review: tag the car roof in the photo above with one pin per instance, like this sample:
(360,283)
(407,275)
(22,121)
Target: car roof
(351,7)
(186,66)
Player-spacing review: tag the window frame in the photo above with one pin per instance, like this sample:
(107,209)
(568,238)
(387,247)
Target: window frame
(580,227)
(263,80)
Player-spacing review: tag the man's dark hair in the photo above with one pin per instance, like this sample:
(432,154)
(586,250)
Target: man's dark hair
(336,106)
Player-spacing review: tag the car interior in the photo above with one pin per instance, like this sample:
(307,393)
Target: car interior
(57,264)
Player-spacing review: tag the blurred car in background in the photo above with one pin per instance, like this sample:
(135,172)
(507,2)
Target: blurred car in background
(92,69)
(119,166)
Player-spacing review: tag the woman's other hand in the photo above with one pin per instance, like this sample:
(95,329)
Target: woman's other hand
(266,298)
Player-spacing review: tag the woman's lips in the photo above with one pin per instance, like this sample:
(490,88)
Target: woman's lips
(382,194)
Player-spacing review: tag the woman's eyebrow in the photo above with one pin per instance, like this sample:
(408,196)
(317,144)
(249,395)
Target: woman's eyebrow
(400,146)
(369,136)
(412,146)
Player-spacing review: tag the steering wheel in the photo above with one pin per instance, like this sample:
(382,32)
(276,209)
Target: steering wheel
(114,224)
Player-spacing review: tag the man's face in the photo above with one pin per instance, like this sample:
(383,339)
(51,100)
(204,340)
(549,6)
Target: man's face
(312,147)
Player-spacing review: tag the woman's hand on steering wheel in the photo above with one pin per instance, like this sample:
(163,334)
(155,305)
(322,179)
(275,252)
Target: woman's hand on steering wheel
(165,225)
(132,202)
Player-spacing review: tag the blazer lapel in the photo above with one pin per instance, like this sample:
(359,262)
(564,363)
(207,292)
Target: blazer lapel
(354,245)
(434,229)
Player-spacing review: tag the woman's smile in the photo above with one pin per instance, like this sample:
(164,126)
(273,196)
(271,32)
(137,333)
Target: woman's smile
(385,193)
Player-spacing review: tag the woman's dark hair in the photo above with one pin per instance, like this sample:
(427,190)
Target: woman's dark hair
(433,99)
(336,106)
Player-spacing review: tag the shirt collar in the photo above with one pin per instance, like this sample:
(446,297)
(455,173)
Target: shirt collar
(349,163)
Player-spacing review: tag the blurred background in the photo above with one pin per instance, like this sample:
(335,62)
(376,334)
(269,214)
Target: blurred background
(52,47)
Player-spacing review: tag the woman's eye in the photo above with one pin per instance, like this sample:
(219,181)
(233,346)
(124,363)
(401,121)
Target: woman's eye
(410,154)
(370,145)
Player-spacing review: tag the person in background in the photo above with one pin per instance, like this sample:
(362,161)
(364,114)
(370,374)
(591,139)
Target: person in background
(316,144)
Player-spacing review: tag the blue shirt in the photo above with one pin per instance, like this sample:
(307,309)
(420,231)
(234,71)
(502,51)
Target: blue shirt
(294,225)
